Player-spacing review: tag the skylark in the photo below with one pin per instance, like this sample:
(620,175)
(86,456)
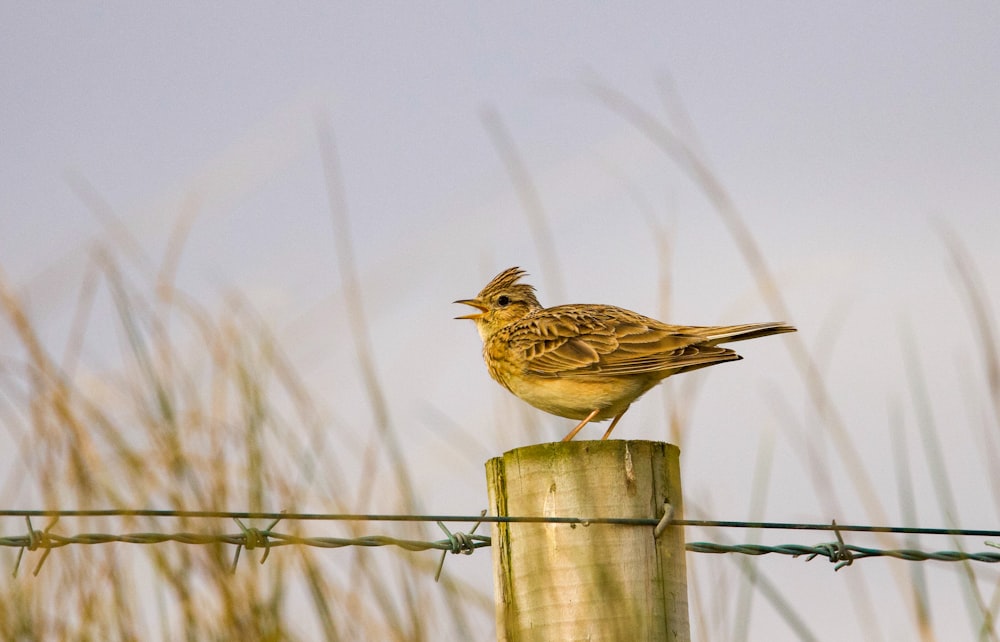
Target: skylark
(589,362)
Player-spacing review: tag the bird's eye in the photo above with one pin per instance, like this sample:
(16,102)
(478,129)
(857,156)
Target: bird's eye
(503,300)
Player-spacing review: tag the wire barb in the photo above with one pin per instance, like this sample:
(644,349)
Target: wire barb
(254,538)
(460,543)
(35,540)
(843,554)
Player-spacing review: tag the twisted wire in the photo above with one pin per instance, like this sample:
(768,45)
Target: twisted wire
(832,552)
(459,542)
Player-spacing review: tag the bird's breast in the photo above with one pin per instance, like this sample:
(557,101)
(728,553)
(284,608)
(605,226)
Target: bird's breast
(576,397)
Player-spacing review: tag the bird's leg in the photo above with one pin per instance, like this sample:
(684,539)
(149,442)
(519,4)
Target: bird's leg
(614,422)
(583,423)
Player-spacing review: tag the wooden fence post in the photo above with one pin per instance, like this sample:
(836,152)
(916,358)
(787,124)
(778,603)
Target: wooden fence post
(594,582)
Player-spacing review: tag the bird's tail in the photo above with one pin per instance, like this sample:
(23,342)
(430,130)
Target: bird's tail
(728,333)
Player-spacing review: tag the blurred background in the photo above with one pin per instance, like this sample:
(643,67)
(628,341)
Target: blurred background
(230,236)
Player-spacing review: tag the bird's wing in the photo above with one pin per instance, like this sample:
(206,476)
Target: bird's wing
(578,342)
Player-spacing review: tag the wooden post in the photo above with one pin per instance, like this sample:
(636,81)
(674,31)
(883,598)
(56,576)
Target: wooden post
(594,582)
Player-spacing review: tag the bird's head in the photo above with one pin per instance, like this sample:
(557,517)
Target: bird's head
(502,302)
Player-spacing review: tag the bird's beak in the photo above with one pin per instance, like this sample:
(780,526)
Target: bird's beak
(476,304)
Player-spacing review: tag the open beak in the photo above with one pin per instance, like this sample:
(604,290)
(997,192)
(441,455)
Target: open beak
(476,304)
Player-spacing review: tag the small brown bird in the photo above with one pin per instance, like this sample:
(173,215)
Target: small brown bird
(589,362)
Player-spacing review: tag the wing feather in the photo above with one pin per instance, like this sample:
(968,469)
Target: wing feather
(585,341)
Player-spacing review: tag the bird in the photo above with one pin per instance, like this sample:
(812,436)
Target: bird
(589,362)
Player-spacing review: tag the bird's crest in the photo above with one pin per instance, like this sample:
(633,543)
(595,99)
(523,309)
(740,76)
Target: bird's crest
(507,282)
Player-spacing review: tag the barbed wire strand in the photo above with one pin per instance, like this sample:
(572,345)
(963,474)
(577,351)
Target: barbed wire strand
(515,519)
(466,543)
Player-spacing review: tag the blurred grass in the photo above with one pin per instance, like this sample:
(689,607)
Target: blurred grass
(202,411)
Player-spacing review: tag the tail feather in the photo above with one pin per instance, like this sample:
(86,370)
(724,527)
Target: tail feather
(726,334)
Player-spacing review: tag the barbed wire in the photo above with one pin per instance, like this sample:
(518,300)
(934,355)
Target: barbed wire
(462,542)
(834,552)
(511,519)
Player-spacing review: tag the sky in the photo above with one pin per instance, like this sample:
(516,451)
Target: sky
(853,138)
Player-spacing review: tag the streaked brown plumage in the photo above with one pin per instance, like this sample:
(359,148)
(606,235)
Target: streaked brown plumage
(589,362)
